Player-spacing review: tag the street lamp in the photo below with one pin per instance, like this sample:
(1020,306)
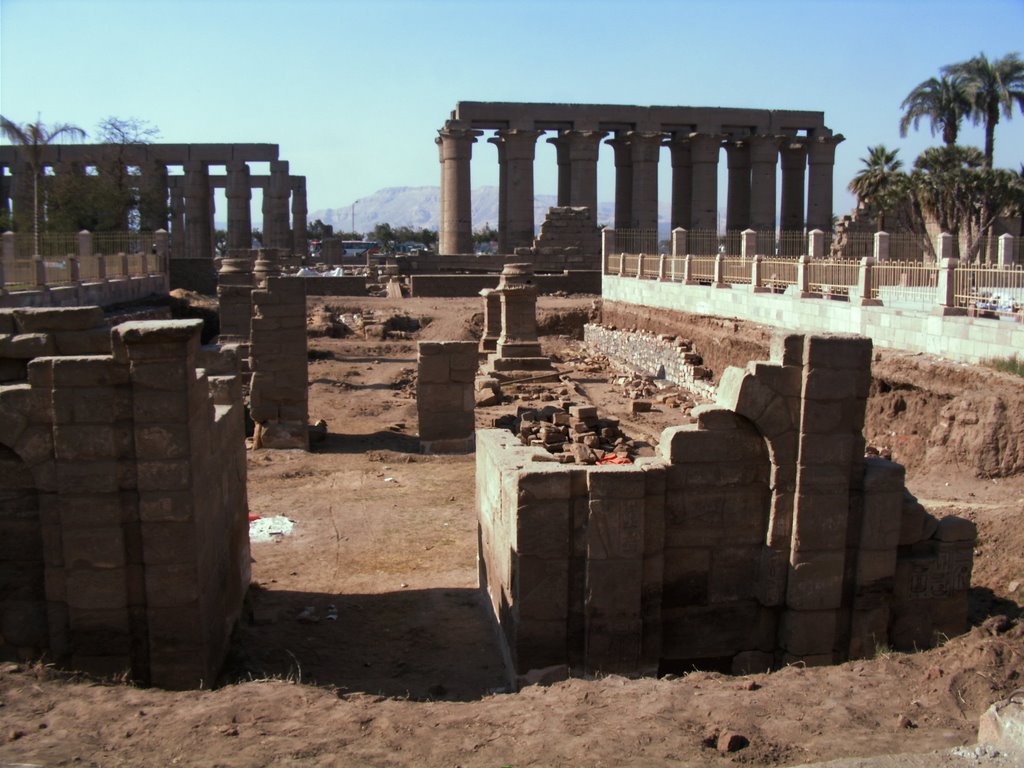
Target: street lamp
(354,215)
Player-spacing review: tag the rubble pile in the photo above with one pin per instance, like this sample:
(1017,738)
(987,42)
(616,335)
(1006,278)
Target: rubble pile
(574,434)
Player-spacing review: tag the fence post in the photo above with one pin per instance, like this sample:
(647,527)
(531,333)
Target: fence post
(607,245)
(1005,251)
(748,243)
(756,280)
(720,271)
(865,280)
(124,263)
(803,276)
(622,264)
(678,242)
(84,244)
(9,251)
(639,266)
(101,268)
(162,244)
(881,250)
(39,272)
(816,244)
(688,270)
(946,290)
(74,271)
(662,262)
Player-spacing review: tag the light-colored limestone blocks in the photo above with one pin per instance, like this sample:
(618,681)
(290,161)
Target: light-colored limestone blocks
(445,400)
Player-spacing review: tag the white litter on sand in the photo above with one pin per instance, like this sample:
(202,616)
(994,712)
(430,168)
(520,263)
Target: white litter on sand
(269,528)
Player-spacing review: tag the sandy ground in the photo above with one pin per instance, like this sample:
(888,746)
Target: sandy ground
(408,673)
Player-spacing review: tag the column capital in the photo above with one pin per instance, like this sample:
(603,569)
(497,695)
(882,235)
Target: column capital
(456,143)
(793,153)
(764,147)
(583,145)
(623,153)
(737,153)
(822,149)
(520,144)
(645,145)
(704,147)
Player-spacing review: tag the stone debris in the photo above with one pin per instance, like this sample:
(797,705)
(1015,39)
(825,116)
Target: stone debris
(575,433)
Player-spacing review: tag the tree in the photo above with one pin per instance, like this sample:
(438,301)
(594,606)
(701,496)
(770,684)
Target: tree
(994,88)
(880,184)
(943,101)
(33,137)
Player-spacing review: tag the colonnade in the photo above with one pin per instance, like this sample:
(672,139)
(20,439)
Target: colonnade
(183,202)
(758,145)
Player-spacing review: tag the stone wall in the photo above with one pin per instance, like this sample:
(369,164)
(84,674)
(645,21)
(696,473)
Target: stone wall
(969,340)
(568,238)
(123,504)
(759,536)
(661,356)
(470,285)
(354,285)
(101,294)
(444,395)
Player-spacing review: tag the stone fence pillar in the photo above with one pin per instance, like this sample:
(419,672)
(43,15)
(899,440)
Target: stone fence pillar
(748,243)
(688,270)
(8,245)
(84,244)
(678,242)
(662,264)
(756,280)
(946,292)
(944,247)
(607,246)
(1005,258)
(161,241)
(101,267)
(803,277)
(39,272)
(74,270)
(816,244)
(720,271)
(864,279)
(881,250)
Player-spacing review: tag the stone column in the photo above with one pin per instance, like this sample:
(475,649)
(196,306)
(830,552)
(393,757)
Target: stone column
(520,147)
(198,239)
(645,149)
(764,159)
(276,232)
(238,191)
(561,144)
(682,181)
(623,181)
(456,150)
(821,159)
(794,162)
(737,209)
(704,149)
(300,240)
(584,147)
(178,220)
(503,241)
(234,295)
(153,197)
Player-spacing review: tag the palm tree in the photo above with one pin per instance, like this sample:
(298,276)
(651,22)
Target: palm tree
(943,101)
(993,87)
(880,184)
(34,137)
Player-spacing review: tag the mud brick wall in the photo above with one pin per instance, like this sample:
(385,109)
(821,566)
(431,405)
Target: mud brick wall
(279,394)
(444,395)
(664,357)
(759,536)
(125,473)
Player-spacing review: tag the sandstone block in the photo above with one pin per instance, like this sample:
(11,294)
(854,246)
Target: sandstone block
(41,320)
(815,581)
(808,633)
(92,589)
(953,528)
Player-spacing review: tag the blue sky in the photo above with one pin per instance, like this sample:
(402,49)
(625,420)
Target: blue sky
(354,90)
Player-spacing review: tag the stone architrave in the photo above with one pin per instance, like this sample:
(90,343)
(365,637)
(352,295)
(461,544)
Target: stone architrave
(455,147)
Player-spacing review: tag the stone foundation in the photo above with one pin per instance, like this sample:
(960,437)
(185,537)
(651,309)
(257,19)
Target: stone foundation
(759,536)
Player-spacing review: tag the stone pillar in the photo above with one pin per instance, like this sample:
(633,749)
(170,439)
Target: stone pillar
(679,244)
(607,247)
(737,209)
(623,181)
(584,147)
(445,402)
(645,149)
(862,296)
(881,246)
(704,149)
(238,191)
(682,180)
(276,232)
(162,245)
(178,221)
(816,244)
(748,243)
(153,197)
(561,145)
(492,320)
(300,239)
(85,244)
(1005,258)
(503,239)
(518,348)
(455,146)
(764,159)
(520,147)
(234,295)
(821,159)
(198,233)
(794,162)
(8,245)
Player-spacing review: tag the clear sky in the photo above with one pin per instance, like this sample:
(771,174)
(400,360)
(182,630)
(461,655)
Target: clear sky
(354,91)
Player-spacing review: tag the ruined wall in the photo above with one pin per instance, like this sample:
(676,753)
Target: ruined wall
(569,281)
(129,482)
(444,395)
(759,536)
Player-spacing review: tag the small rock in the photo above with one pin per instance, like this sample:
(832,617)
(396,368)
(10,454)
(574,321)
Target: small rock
(902,722)
(730,741)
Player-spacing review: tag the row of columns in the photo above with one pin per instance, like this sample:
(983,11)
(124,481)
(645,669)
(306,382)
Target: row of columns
(752,161)
(192,204)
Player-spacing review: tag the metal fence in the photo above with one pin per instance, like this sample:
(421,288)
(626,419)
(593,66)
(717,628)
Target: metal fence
(992,290)
(832,277)
(637,241)
(737,270)
(905,283)
(778,273)
(122,242)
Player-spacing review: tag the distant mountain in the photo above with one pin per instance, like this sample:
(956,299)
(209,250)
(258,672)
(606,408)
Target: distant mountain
(420,207)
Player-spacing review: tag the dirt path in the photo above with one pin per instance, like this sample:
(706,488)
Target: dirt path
(408,672)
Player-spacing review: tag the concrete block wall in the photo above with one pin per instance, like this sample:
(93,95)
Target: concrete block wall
(445,400)
(127,479)
(758,536)
(967,339)
(279,392)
